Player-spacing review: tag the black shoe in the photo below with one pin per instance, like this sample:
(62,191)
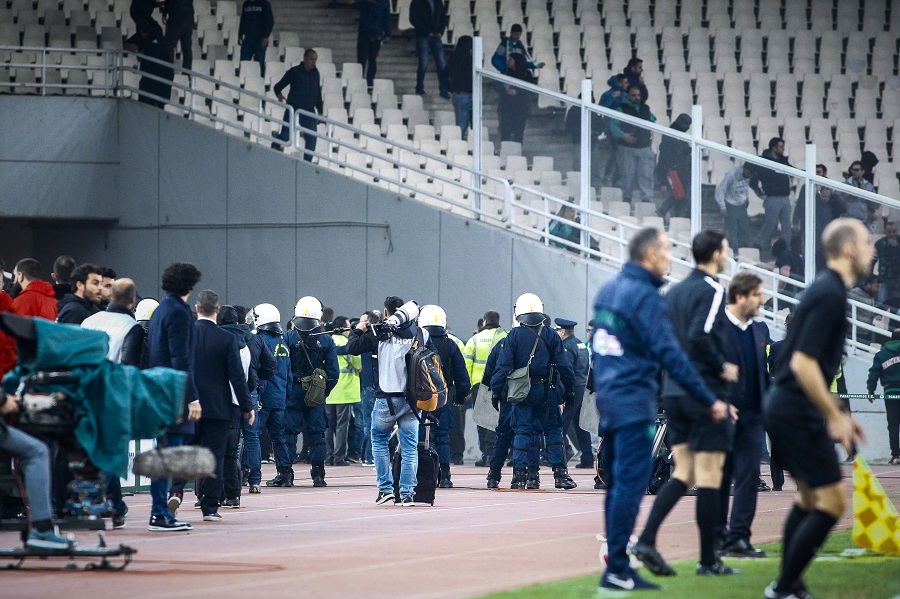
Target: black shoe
(383,498)
(742,548)
(599,484)
(762,487)
(353,459)
(493,479)
(510,463)
(481,463)
(198,504)
(341,463)
(118,520)
(457,461)
(163,524)
(234,504)
(652,559)
(444,481)
(777,488)
(584,466)
(285,478)
(518,479)
(717,569)
(562,480)
(407,501)
(213,517)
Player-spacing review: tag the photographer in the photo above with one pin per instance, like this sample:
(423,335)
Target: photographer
(34,461)
(390,341)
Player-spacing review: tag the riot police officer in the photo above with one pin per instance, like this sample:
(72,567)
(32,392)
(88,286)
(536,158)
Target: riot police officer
(315,370)
(434,320)
(534,346)
(580,357)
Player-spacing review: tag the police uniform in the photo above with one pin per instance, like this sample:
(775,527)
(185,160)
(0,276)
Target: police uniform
(580,358)
(476,353)
(310,351)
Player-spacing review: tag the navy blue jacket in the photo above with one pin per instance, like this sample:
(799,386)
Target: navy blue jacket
(453,365)
(489,367)
(322,354)
(256,19)
(172,346)
(761,341)
(273,392)
(306,89)
(632,339)
(367,372)
(514,354)
(427,20)
(578,357)
(218,370)
(374,17)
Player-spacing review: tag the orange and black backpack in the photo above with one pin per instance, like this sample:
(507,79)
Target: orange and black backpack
(426,388)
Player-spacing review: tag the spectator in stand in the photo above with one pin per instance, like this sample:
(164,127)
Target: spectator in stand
(775,190)
(865,292)
(513,45)
(85,299)
(254,30)
(514,103)
(731,195)
(790,265)
(634,71)
(887,255)
(869,162)
(341,401)
(150,42)
(62,274)
(828,208)
(673,171)
(374,27)
(603,154)
(178,17)
(886,367)
(560,228)
(36,297)
(428,18)
(141,12)
(305,94)
(635,156)
(856,207)
(109,276)
(459,74)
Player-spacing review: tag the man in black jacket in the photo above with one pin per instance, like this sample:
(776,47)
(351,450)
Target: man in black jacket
(85,299)
(748,343)
(774,188)
(262,368)
(634,151)
(178,17)
(374,26)
(699,444)
(305,94)
(222,388)
(429,19)
(149,41)
(254,30)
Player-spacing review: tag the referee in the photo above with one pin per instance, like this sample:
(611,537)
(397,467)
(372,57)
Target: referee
(803,417)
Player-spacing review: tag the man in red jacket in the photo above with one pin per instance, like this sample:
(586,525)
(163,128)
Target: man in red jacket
(7,344)
(37,297)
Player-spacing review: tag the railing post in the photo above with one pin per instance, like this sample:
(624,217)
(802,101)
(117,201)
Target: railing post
(477,109)
(507,201)
(696,162)
(587,97)
(809,224)
(43,71)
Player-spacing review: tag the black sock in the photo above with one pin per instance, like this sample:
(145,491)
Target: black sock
(707,516)
(42,525)
(795,517)
(807,538)
(668,496)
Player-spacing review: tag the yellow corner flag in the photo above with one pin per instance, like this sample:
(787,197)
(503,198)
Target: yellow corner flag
(875,522)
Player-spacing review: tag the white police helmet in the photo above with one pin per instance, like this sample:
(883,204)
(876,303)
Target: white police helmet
(266,317)
(432,316)
(529,309)
(145,308)
(307,313)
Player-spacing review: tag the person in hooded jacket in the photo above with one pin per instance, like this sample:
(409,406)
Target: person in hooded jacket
(603,154)
(37,297)
(85,299)
(434,320)
(673,167)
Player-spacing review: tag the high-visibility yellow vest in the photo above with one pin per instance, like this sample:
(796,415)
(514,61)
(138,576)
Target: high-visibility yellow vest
(477,350)
(347,388)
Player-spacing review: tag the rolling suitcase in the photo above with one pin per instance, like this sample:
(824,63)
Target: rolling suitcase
(426,473)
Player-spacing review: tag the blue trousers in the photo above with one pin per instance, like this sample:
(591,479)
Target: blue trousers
(252,49)
(503,445)
(440,434)
(435,45)
(159,488)
(627,457)
(295,414)
(251,457)
(309,140)
(272,419)
(531,418)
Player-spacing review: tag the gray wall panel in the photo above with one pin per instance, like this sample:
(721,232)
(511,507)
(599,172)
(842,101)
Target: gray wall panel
(262,184)
(192,166)
(261,268)
(203,248)
(324,197)
(331,266)
(558,279)
(58,190)
(138,179)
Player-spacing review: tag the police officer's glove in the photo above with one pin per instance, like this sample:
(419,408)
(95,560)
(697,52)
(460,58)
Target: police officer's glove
(495,401)
(569,400)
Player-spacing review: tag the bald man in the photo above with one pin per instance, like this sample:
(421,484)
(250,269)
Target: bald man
(126,336)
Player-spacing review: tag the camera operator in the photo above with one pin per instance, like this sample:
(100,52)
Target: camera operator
(34,460)
(390,340)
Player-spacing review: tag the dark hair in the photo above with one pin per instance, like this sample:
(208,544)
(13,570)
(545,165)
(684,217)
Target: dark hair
(642,241)
(207,302)
(705,244)
(631,87)
(871,279)
(30,268)
(779,247)
(519,70)
(392,303)
(228,315)
(775,141)
(837,234)
(340,322)
(633,62)
(63,267)
(621,76)
(180,277)
(492,317)
(787,320)
(108,273)
(327,314)
(308,52)
(241,313)
(854,163)
(374,315)
(82,272)
(823,167)
(743,283)
(463,44)
(517,28)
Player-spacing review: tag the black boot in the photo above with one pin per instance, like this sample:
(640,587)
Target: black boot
(284,478)
(518,479)
(532,478)
(317,472)
(562,479)
(493,479)
(444,476)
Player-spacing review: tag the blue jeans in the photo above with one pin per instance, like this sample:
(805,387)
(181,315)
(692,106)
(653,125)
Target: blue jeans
(777,212)
(362,413)
(627,457)
(159,487)
(531,418)
(436,46)
(252,49)
(34,458)
(272,419)
(407,434)
(251,458)
(462,108)
(309,139)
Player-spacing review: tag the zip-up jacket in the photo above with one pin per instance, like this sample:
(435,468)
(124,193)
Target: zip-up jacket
(885,366)
(172,7)
(374,17)
(453,366)
(306,90)
(696,308)
(74,309)
(549,350)
(632,340)
(507,48)
(427,17)
(256,19)
(767,182)
(390,373)
(643,137)
(38,299)
(579,357)
(273,392)
(489,370)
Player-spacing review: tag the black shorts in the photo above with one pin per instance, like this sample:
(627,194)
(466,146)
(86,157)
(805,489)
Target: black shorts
(689,422)
(800,440)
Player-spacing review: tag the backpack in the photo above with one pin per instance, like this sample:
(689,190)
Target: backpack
(425,386)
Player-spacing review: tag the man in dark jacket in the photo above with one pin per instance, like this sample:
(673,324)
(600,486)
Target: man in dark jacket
(774,188)
(149,41)
(374,26)
(85,299)
(62,275)
(222,388)
(886,367)
(178,17)
(305,94)
(633,338)
(434,320)
(141,11)
(459,76)
(171,346)
(429,19)
(580,358)
(254,30)
(633,152)
(696,308)
(603,151)
(634,70)
(673,170)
